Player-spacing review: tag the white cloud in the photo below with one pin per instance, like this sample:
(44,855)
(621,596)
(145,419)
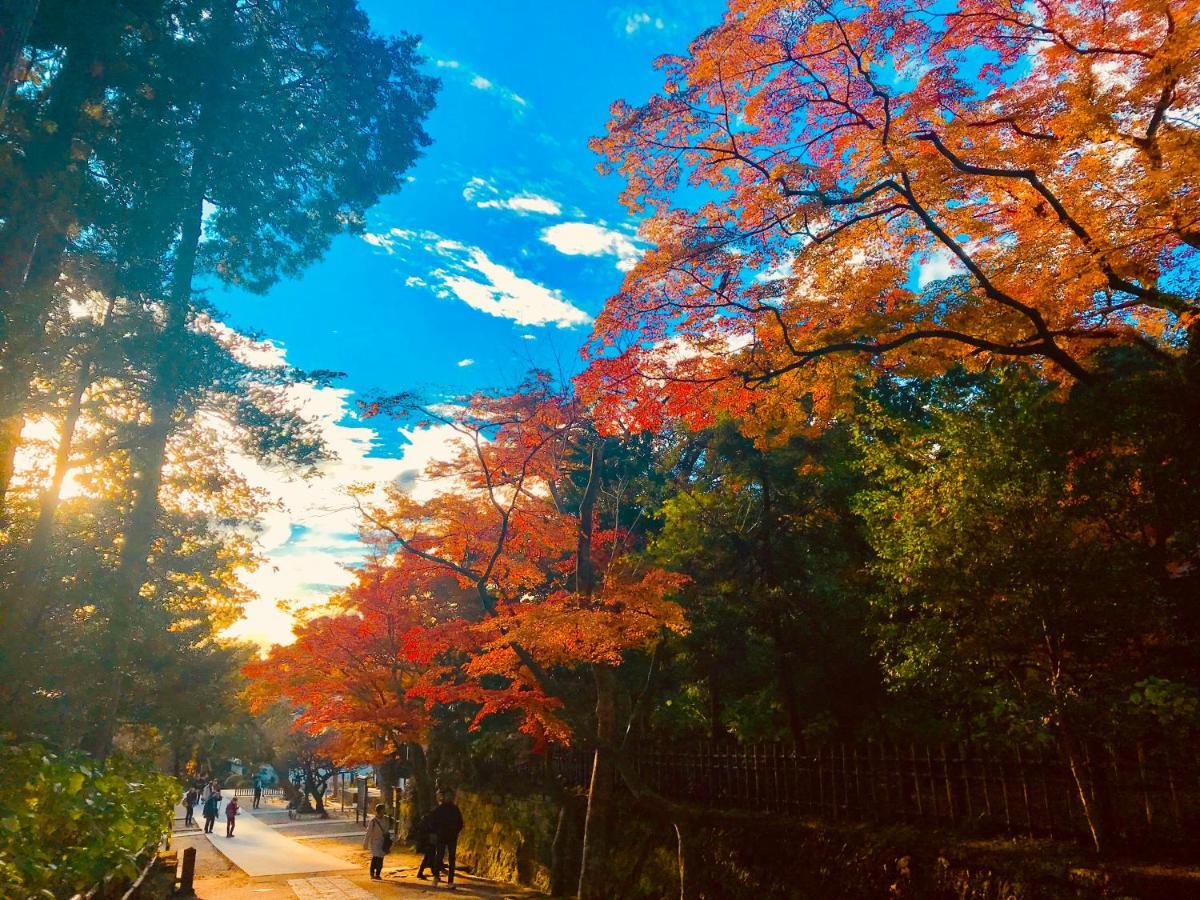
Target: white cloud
(463,363)
(483,284)
(310,535)
(448,64)
(938,265)
(480,83)
(487,196)
(587,239)
(525,203)
(309,539)
(635,22)
(504,293)
(781,270)
(437,443)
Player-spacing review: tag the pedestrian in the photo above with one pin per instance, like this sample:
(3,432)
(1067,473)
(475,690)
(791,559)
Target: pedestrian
(444,824)
(189,806)
(211,805)
(424,842)
(231,811)
(257,790)
(378,840)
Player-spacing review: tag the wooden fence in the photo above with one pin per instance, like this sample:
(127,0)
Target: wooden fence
(267,792)
(1136,795)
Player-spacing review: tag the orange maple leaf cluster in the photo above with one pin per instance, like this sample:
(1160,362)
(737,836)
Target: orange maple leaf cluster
(885,185)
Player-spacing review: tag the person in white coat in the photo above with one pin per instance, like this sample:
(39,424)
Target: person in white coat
(377,840)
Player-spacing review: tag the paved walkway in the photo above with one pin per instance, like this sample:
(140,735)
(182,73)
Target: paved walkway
(257,849)
(272,857)
(328,889)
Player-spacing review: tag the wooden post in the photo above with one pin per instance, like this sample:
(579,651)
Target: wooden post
(1025,792)
(1042,767)
(820,782)
(875,810)
(187,873)
(946,777)
(912,757)
(964,767)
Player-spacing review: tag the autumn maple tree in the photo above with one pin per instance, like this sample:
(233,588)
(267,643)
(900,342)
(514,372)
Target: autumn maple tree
(349,670)
(903,186)
(516,518)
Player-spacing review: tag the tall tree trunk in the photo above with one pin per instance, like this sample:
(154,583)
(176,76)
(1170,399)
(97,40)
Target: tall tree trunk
(595,875)
(141,523)
(165,399)
(39,543)
(564,850)
(769,586)
(38,217)
(10,439)
(422,782)
(14,31)
(22,618)
(716,727)
(788,694)
(688,886)
(1090,789)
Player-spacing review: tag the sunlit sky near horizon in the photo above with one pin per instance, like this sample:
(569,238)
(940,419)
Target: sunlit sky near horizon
(493,259)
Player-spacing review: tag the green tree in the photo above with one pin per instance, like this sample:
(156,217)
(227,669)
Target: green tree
(1037,553)
(777,562)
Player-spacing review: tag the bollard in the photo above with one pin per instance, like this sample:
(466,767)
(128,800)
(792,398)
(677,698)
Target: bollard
(187,874)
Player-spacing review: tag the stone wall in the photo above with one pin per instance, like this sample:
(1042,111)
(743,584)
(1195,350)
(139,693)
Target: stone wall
(507,838)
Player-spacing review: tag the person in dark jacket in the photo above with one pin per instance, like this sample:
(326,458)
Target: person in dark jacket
(190,799)
(444,824)
(211,806)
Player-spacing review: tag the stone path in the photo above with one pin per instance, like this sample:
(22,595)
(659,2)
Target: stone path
(327,889)
(323,836)
(257,849)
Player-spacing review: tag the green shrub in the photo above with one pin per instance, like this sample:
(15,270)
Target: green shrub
(66,821)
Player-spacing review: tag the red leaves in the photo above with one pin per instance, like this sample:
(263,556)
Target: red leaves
(1047,152)
(471,598)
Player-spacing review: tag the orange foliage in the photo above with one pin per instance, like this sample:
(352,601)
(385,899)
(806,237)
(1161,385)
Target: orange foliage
(1038,161)
(478,595)
(508,523)
(349,672)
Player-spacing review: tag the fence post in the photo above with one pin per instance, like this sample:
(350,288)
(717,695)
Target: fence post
(966,779)
(187,873)
(949,788)
(1025,792)
(912,756)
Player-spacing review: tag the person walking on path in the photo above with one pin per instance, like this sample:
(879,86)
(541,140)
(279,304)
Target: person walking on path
(444,823)
(231,811)
(189,806)
(211,805)
(378,841)
(257,791)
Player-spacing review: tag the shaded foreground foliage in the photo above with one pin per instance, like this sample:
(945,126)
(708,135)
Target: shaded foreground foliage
(68,822)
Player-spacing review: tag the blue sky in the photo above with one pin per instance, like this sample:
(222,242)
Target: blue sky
(492,259)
